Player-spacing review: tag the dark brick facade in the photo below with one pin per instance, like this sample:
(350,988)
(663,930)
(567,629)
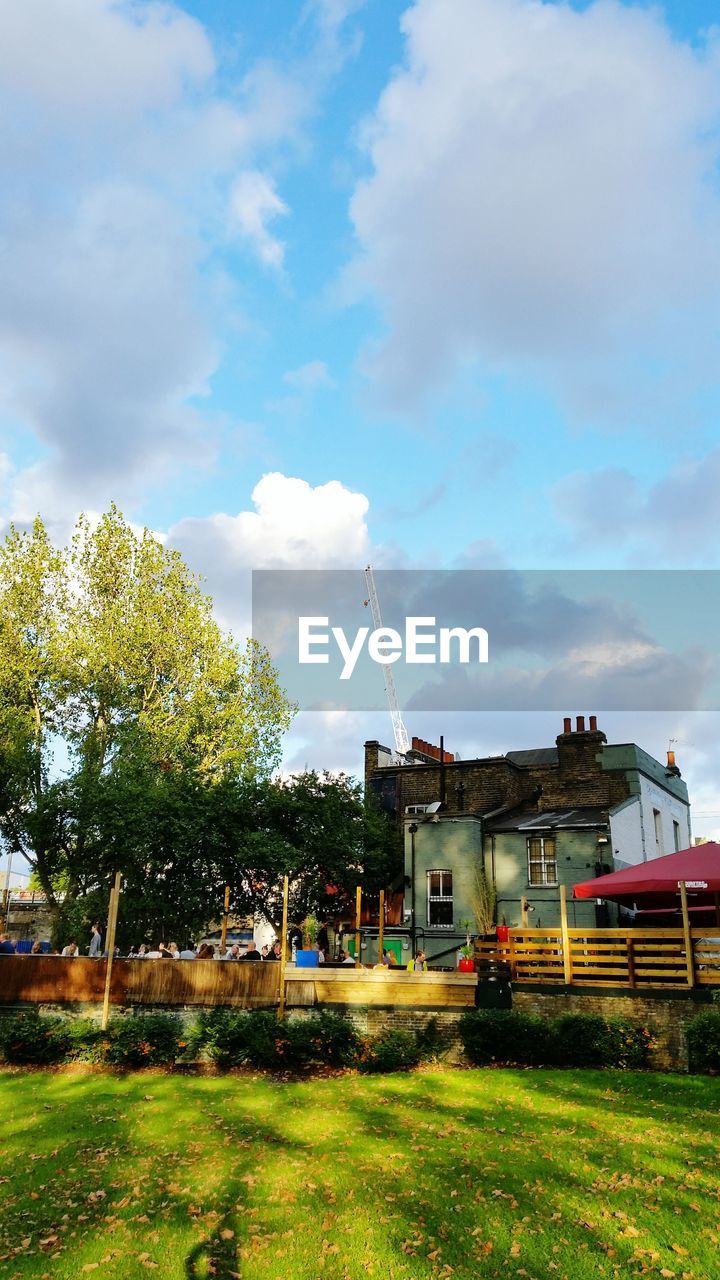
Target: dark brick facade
(574,778)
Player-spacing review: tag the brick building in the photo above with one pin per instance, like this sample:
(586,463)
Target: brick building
(532,820)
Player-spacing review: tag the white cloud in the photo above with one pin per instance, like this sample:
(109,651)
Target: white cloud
(127,172)
(542,196)
(309,377)
(75,56)
(254,203)
(676,520)
(293,526)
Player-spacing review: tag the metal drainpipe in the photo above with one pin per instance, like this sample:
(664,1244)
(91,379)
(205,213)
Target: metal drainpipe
(413,830)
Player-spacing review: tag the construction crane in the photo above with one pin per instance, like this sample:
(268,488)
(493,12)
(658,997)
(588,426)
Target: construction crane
(402,742)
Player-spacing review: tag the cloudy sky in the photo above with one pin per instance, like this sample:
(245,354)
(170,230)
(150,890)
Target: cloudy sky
(431,283)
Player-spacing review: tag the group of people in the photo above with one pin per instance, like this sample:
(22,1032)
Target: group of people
(95,951)
(205,951)
(209,951)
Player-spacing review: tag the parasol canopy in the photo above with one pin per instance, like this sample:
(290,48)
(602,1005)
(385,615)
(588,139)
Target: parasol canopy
(657,883)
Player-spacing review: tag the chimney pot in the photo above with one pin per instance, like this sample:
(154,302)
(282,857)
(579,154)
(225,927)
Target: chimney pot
(567,725)
(593,724)
(671,760)
(581,724)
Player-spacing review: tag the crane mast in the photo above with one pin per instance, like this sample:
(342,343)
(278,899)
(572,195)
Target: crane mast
(402,742)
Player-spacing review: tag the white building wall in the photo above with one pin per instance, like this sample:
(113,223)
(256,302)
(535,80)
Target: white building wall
(633,826)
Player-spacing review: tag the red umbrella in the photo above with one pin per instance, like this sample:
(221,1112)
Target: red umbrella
(658,881)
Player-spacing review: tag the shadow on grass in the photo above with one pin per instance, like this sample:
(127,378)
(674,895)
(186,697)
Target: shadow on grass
(402,1174)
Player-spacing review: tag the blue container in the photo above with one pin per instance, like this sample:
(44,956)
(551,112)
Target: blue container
(306,959)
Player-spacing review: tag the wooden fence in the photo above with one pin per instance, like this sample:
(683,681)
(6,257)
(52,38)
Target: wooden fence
(608,957)
(636,958)
(57,980)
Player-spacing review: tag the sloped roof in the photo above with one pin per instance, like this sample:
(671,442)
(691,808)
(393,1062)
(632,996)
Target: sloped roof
(535,756)
(590,817)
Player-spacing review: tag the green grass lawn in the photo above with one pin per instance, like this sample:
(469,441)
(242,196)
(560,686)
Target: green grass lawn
(443,1173)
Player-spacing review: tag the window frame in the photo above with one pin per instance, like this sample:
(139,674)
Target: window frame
(543,862)
(432,899)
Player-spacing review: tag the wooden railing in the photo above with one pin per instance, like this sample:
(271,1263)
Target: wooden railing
(607,957)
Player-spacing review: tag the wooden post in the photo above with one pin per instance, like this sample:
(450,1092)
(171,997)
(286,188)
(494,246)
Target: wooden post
(381,927)
(524,911)
(631,962)
(110,946)
(226,912)
(512,957)
(283,947)
(689,958)
(358,904)
(567,963)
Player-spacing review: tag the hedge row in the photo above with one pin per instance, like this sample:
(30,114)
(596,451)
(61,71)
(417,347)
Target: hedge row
(326,1039)
(228,1038)
(572,1040)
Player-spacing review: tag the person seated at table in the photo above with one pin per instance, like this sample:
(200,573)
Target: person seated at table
(206,951)
(70,950)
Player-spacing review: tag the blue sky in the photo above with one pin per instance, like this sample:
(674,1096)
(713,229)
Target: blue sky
(431,284)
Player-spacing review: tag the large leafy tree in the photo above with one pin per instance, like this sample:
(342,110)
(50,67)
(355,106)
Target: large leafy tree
(120,700)
(316,828)
(189,839)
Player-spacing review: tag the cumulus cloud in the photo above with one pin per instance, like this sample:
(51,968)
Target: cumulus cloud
(294,525)
(127,173)
(676,520)
(254,203)
(541,198)
(75,56)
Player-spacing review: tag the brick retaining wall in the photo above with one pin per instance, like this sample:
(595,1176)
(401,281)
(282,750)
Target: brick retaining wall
(665,1013)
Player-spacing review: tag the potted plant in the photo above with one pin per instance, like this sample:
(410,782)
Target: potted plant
(306,957)
(466,963)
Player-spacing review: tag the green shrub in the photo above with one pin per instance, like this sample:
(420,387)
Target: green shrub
(703,1036)
(503,1035)
(391,1051)
(584,1040)
(259,1040)
(630,1045)
(236,1039)
(30,1038)
(86,1040)
(431,1041)
(149,1040)
(572,1040)
(334,1040)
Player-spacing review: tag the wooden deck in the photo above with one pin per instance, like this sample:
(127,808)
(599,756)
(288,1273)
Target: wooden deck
(638,959)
